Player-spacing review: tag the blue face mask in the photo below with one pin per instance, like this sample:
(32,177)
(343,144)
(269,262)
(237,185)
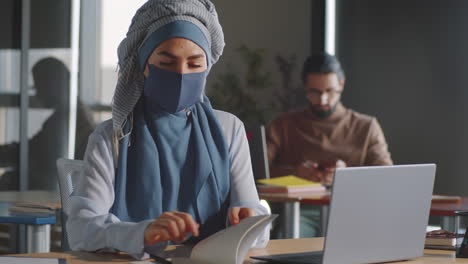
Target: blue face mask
(173,91)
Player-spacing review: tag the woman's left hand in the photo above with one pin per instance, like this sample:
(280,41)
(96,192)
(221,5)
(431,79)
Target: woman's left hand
(236,214)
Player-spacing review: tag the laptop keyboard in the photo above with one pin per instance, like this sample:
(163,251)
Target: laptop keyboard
(297,258)
(312,259)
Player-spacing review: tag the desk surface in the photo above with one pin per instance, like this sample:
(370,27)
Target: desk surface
(323,198)
(274,247)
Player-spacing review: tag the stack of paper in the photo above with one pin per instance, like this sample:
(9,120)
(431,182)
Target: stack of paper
(288,184)
(36,209)
(440,239)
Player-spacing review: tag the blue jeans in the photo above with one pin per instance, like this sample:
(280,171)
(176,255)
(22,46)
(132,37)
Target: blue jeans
(309,221)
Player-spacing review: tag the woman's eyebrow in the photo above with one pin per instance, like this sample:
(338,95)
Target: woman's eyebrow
(196,56)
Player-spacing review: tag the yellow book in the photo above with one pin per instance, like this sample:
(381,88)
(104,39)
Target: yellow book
(289,181)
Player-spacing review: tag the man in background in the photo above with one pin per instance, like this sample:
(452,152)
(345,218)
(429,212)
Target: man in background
(312,142)
(51,81)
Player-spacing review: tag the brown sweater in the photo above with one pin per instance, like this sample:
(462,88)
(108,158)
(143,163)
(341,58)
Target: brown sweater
(355,138)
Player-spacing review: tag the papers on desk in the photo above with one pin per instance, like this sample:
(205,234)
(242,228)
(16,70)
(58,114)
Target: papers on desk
(440,239)
(50,206)
(230,245)
(288,184)
(26,260)
(30,209)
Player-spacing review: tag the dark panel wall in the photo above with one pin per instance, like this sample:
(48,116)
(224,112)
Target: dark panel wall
(10,24)
(50,24)
(407,63)
(317,40)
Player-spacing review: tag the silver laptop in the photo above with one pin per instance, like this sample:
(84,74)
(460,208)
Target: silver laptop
(377,214)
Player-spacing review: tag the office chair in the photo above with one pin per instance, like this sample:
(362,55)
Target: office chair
(258,150)
(67,170)
(258,154)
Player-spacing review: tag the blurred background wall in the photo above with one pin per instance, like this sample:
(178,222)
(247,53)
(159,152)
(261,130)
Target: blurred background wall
(266,42)
(406,63)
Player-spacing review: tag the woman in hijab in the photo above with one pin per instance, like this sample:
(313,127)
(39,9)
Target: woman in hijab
(167,167)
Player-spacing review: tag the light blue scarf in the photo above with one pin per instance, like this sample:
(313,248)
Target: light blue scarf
(173,162)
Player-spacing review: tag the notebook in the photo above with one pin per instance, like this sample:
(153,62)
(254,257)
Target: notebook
(230,245)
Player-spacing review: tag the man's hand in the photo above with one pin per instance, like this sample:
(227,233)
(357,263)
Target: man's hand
(329,171)
(171,226)
(309,170)
(236,214)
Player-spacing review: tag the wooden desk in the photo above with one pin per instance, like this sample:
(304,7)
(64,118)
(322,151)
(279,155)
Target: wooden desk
(449,208)
(274,247)
(291,210)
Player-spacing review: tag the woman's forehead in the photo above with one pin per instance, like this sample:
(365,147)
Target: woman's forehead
(179,47)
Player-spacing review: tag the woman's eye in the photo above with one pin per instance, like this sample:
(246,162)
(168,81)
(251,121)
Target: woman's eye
(194,65)
(165,63)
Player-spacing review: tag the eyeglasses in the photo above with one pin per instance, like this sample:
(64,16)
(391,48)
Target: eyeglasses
(331,93)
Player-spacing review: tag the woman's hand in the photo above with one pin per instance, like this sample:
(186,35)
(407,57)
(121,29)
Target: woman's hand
(236,214)
(171,226)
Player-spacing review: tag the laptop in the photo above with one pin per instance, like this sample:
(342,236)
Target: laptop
(377,214)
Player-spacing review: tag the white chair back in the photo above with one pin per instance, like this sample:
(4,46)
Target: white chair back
(68,170)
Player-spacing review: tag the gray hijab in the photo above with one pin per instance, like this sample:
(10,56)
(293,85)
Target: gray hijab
(150,17)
